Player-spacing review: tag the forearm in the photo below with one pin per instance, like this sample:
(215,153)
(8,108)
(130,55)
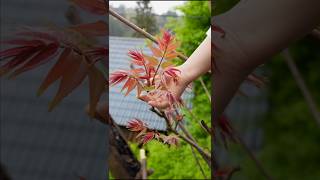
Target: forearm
(198,63)
(256,30)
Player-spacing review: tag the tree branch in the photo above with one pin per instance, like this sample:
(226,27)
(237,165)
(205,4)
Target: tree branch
(198,162)
(251,155)
(302,85)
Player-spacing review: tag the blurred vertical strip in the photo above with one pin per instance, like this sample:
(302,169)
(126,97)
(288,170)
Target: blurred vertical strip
(213,157)
(106,66)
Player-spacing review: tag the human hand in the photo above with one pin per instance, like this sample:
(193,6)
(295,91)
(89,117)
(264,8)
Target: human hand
(176,88)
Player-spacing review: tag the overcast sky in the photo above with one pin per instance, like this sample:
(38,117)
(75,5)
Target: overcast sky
(158,7)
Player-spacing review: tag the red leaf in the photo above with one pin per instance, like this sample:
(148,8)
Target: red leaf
(226,130)
(173,46)
(24,42)
(13,51)
(117,77)
(97,84)
(179,117)
(148,137)
(130,85)
(152,60)
(99,28)
(136,71)
(155,51)
(42,57)
(98,7)
(173,101)
(19,59)
(167,37)
(171,140)
(218,29)
(167,64)
(171,56)
(137,57)
(71,79)
(256,80)
(136,125)
(165,40)
(170,74)
(97,53)
(62,65)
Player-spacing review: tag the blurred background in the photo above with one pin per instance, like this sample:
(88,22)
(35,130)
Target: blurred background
(188,21)
(37,144)
(275,120)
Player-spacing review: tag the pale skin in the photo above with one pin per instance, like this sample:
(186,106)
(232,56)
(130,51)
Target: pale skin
(196,65)
(255,31)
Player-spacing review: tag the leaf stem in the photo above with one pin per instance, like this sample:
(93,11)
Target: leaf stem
(164,53)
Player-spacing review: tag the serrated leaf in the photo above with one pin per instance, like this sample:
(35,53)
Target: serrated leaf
(57,71)
(152,60)
(148,137)
(139,90)
(171,56)
(71,80)
(155,51)
(129,85)
(136,125)
(166,64)
(42,57)
(13,51)
(173,46)
(97,84)
(23,42)
(16,61)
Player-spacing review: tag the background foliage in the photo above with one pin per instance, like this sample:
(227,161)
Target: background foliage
(144,18)
(291,136)
(179,163)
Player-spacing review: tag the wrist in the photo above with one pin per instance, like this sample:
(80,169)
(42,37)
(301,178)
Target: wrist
(186,76)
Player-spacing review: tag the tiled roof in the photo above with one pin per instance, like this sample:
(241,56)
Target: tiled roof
(122,108)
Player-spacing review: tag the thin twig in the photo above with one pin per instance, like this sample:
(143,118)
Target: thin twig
(233,170)
(154,76)
(205,88)
(302,85)
(198,162)
(199,149)
(162,115)
(202,123)
(252,156)
(206,128)
(186,132)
